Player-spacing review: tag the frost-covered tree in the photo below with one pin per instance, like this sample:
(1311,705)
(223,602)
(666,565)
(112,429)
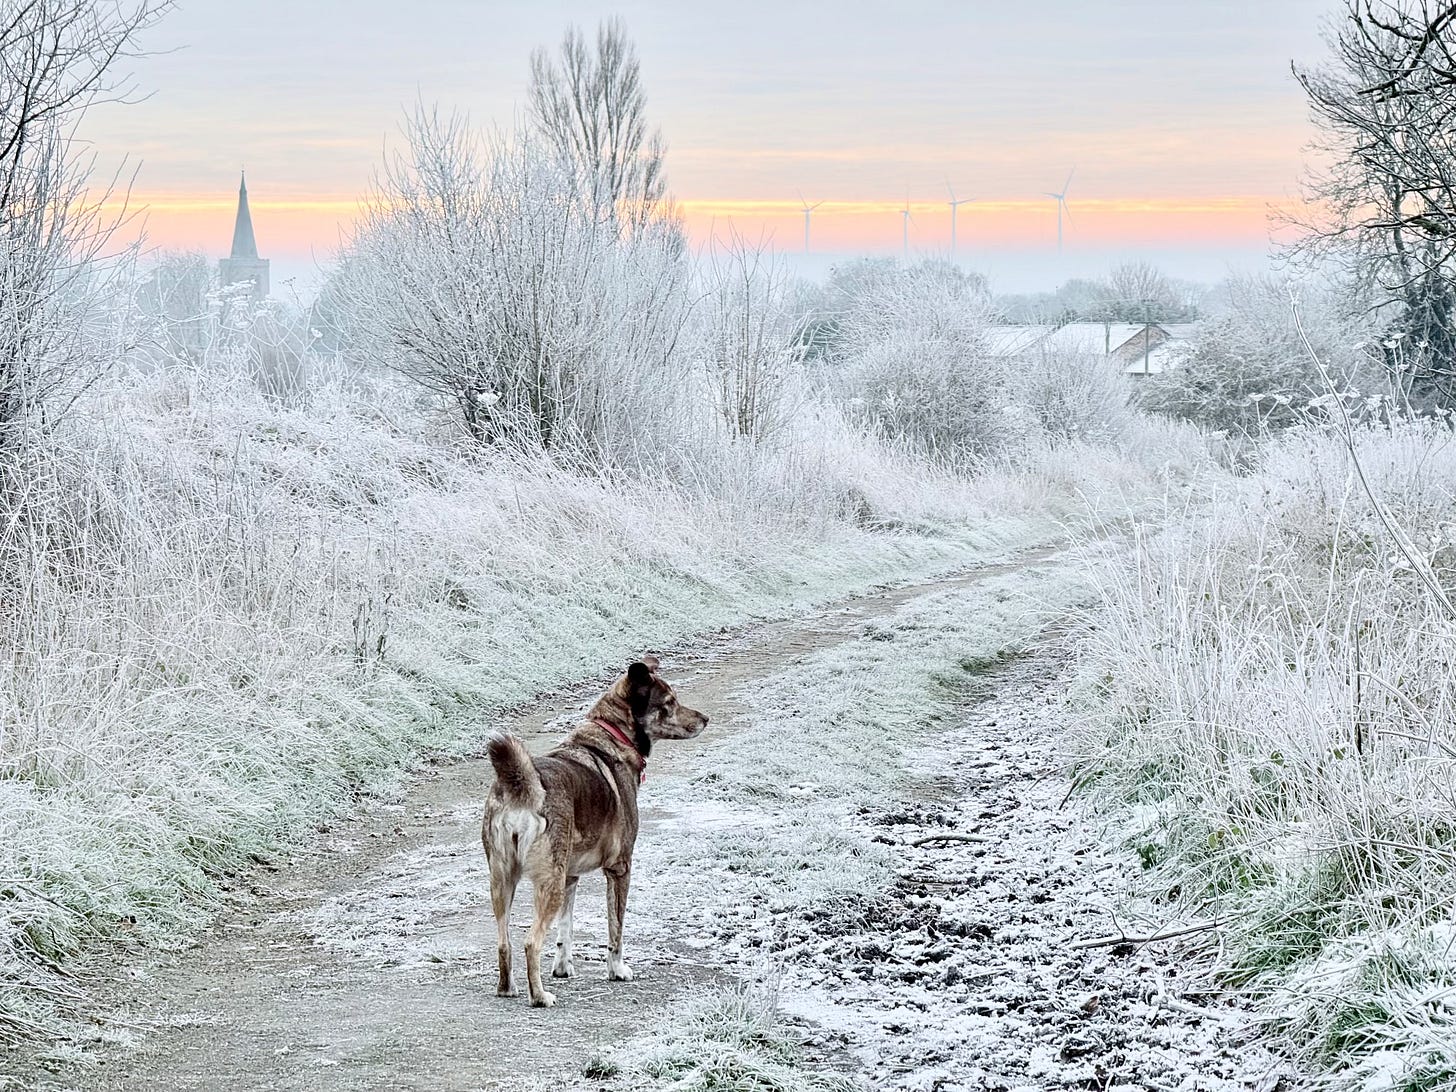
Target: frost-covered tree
(857,284)
(1134,291)
(57,59)
(480,270)
(1139,291)
(589,105)
(1250,372)
(1385,199)
(176,299)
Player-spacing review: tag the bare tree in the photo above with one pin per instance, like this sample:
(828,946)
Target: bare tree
(748,341)
(590,106)
(1386,108)
(1140,291)
(175,304)
(56,61)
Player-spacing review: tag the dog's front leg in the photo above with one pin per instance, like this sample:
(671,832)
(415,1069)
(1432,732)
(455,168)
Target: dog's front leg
(564,966)
(617,881)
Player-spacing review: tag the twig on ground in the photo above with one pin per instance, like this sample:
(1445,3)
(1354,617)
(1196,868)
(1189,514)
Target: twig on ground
(34,892)
(1177,1004)
(38,1031)
(918,842)
(116,1021)
(67,994)
(1162,934)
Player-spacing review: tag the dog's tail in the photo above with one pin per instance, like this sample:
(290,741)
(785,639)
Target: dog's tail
(519,783)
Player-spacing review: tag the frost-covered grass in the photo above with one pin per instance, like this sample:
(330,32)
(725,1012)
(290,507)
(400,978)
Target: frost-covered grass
(728,1040)
(1274,703)
(227,615)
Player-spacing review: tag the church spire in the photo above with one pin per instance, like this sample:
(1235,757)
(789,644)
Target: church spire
(244,245)
(244,264)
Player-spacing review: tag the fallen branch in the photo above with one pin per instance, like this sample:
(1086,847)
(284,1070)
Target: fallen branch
(1161,934)
(918,842)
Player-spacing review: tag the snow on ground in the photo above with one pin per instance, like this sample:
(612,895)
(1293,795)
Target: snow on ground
(950,965)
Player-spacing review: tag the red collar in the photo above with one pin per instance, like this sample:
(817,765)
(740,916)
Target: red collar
(626,741)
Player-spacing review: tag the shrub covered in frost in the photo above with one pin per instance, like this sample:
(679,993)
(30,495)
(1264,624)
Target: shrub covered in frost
(1250,372)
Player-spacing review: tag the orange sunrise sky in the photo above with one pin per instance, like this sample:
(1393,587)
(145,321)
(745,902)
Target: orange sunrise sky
(1182,122)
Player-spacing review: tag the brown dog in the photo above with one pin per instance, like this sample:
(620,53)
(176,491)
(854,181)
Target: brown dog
(574,810)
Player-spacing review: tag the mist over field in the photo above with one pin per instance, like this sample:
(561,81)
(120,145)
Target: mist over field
(1061,547)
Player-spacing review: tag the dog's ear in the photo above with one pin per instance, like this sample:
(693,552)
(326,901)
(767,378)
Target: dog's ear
(652,663)
(639,687)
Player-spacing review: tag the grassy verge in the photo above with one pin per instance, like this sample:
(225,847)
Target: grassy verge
(726,1041)
(1272,709)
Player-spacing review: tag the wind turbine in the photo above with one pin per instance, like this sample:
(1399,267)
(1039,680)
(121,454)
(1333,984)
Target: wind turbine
(905,225)
(1061,200)
(808,208)
(954,205)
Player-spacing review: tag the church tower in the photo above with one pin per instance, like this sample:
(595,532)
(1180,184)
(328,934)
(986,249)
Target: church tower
(244,264)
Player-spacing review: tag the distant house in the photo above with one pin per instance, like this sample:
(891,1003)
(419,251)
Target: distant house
(243,265)
(1156,348)
(1142,349)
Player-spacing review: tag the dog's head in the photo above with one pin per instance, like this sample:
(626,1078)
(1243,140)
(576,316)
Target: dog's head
(656,712)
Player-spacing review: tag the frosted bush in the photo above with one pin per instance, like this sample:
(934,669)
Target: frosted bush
(909,359)
(746,340)
(1076,397)
(480,271)
(1250,372)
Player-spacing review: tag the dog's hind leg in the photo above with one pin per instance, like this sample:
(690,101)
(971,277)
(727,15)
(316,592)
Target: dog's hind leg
(502,896)
(617,882)
(564,966)
(550,894)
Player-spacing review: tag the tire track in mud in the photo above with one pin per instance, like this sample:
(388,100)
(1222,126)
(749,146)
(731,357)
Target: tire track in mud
(366,961)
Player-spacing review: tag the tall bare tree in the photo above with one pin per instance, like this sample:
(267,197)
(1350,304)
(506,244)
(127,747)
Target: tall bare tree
(57,59)
(1386,108)
(589,104)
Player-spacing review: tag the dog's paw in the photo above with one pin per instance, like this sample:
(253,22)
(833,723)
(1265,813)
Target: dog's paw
(619,972)
(564,970)
(545,1001)
(508,990)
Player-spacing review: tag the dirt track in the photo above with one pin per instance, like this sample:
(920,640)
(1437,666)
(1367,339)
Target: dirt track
(368,962)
